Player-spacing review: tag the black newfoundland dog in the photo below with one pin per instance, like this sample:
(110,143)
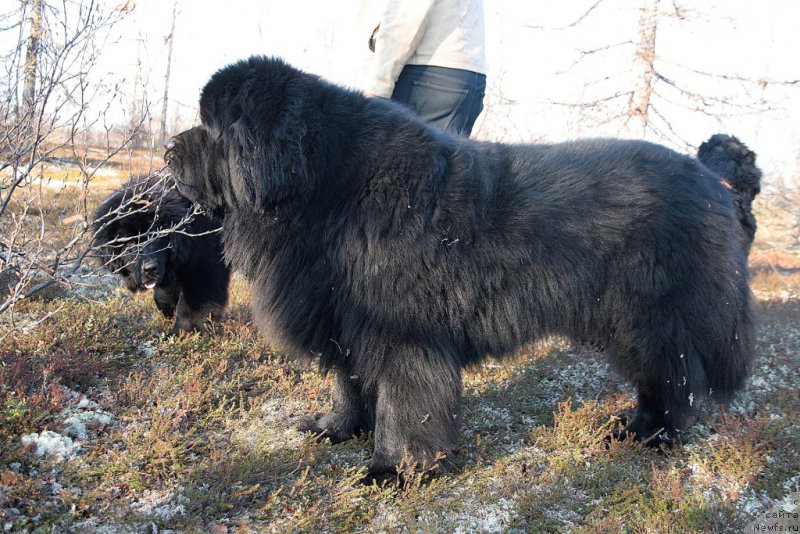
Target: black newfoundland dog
(398,254)
(144,233)
(735,164)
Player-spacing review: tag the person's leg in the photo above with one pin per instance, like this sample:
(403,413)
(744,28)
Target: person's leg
(450,99)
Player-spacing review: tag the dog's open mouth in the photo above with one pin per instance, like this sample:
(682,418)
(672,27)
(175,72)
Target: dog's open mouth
(150,283)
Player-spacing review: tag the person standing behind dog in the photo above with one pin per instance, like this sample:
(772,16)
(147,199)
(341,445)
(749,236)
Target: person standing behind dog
(429,55)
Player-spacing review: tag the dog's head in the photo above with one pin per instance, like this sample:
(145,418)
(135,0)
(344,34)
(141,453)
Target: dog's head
(733,162)
(144,266)
(199,165)
(250,150)
(141,261)
(127,233)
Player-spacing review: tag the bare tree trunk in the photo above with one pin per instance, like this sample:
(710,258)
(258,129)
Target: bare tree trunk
(170,39)
(638,114)
(141,118)
(32,55)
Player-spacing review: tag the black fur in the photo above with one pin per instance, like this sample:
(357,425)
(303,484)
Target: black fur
(185,268)
(398,254)
(735,164)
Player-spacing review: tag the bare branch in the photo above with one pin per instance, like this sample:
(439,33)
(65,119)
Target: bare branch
(586,54)
(732,77)
(571,24)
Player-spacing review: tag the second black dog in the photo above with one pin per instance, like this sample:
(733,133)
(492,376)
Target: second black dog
(142,233)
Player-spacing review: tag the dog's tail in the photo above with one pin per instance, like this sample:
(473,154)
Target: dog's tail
(735,165)
(729,363)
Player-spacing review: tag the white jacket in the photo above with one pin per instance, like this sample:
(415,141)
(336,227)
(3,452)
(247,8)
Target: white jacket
(442,33)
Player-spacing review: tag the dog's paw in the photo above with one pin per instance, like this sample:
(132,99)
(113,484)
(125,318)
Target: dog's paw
(655,438)
(310,425)
(331,426)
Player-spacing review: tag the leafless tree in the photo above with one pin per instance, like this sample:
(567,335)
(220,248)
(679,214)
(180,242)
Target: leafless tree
(643,100)
(32,52)
(638,112)
(170,39)
(139,117)
(49,104)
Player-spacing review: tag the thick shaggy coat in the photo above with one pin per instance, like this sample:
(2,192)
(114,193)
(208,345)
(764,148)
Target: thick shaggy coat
(735,164)
(142,233)
(398,254)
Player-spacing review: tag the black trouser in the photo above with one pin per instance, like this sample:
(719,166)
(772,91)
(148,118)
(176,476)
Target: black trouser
(449,98)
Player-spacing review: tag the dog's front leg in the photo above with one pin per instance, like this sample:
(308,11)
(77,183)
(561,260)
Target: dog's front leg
(418,409)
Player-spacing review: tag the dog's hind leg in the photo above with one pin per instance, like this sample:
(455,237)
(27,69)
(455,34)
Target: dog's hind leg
(418,397)
(670,381)
(347,417)
(660,414)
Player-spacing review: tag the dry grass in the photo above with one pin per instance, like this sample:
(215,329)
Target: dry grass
(201,437)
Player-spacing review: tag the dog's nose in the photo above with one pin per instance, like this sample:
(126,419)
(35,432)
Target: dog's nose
(169,143)
(150,269)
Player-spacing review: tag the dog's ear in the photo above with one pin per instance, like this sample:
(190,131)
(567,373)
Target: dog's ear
(267,162)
